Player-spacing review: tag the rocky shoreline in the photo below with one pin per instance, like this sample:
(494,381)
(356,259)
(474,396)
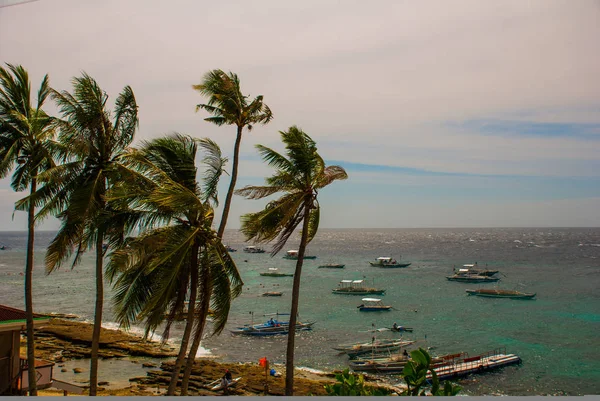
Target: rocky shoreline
(62,340)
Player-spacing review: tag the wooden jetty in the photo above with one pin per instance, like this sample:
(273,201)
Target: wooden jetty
(476,364)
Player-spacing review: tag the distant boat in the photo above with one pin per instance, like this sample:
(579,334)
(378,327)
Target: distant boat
(293,255)
(274,273)
(270,328)
(272,294)
(332,266)
(373,305)
(356,287)
(496,293)
(230,249)
(388,262)
(472,269)
(472,278)
(253,249)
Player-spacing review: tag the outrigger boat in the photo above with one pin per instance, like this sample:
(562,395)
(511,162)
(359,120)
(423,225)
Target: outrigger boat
(270,328)
(253,249)
(472,278)
(472,269)
(373,305)
(274,273)
(332,266)
(293,255)
(376,346)
(356,287)
(496,293)
(388,262)
(272,294)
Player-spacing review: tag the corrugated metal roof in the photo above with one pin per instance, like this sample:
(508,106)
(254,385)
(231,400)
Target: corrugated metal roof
(12,315)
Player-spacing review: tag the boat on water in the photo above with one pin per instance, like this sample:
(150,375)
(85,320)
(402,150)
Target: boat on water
(375,346)
(332,266)
(230,249)
(393,363)
(293,255)
(400,329)
(373,305)
(472,278)
(384,261)
(497,293)
(356,287)
(253,249)
(272,294)
(473,269)
(273,272)
(270,328)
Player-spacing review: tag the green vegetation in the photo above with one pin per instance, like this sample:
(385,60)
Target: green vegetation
(229,106)
(350,384)
(75,191)
(27,140)
(178,254)
(299,177)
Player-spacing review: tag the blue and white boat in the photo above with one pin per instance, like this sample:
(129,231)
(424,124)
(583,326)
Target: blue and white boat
(271,327)
(373,305)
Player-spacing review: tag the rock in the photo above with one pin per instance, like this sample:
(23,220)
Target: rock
(77,370)
(103,383)
(149,365)
(63,370)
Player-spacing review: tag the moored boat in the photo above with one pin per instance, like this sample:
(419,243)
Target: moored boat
(332,266)
(273,272)
(373,305)
(356,287)
(293,255)
(355,349)
(497,293)
(472,278)
(230,249)
(253,249)
(385,261)
(270,328)
(272,294)
(473,269)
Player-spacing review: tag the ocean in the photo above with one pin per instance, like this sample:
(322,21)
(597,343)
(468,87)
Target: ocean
(556,334)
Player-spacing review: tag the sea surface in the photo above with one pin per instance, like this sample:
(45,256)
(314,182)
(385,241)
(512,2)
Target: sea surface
(556,334)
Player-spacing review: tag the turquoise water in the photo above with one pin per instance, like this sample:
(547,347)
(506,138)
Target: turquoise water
(556,335)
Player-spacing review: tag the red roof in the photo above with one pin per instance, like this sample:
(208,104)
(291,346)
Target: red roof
(8,314)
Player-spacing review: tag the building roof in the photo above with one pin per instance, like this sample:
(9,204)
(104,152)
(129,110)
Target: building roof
(13,315)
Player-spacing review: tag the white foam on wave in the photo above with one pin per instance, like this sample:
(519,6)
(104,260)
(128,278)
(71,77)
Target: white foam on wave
(311,370)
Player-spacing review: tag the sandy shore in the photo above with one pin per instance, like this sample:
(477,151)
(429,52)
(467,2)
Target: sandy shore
(63,340)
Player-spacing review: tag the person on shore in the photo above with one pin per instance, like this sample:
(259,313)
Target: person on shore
(405,353)
(395,326)
(271,322)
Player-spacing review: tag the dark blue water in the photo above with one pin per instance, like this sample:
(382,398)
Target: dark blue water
(556,334)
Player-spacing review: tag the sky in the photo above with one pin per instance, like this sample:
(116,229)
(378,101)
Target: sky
(444,114)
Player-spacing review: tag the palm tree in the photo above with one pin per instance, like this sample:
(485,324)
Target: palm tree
(299,177)
(75,191)
(228,106)
(178,254)
(26,139)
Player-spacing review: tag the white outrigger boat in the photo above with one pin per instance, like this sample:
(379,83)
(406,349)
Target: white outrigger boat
(373,305)
(253,249)
(293,255)
(385,261)
(356,287)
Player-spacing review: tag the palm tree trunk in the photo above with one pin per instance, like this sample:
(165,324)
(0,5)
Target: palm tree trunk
(289,358)
(189,321)
(198,335)
(97,313)
(29,291)
(234,172)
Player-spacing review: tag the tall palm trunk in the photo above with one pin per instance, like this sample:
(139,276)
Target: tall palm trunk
(198,335)
(289,358)
(189,321)
(97,313)
(234,172)
(29,291)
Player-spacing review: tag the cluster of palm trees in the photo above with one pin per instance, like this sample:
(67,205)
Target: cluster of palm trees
(143,208)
